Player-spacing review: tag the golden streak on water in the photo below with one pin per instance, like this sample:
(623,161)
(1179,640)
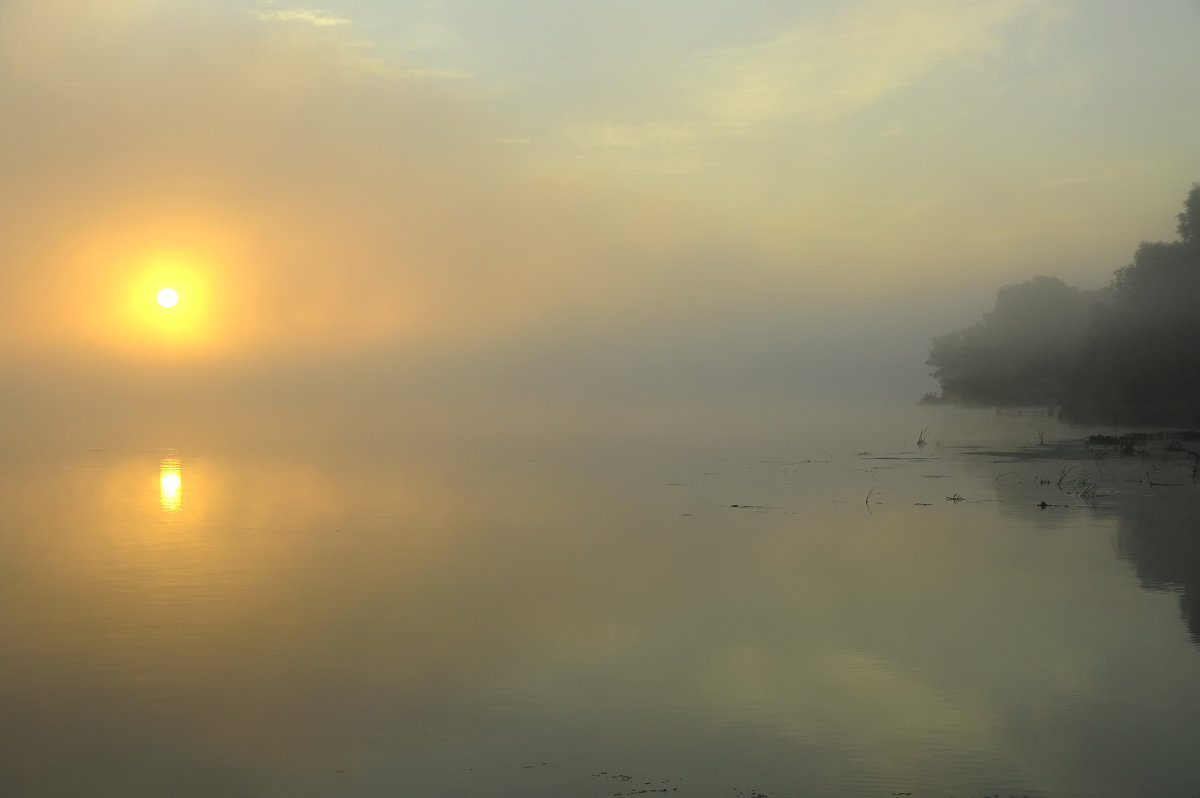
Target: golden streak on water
(170,484)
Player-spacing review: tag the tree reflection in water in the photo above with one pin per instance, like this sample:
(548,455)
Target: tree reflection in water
(1158,536)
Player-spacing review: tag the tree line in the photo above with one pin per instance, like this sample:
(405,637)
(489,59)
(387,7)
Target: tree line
(1125,354)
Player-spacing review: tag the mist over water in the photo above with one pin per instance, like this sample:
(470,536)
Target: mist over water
(776,600)
(609,384)
(537,415)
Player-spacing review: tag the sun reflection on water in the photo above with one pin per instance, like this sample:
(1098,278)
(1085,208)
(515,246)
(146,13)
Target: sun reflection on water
(170,484)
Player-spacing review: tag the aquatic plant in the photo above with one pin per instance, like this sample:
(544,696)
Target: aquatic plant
(1064,477)
(1081,484)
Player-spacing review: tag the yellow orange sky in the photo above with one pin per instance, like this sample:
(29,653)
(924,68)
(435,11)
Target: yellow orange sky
(366,174)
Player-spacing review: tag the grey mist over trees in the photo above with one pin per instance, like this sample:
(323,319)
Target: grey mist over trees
(1125,354)
(1022,352)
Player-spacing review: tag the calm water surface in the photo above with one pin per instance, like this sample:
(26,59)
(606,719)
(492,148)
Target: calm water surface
(592,615)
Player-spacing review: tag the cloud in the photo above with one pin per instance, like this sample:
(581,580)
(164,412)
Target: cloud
(816,73)
(311,16)
(673,148)
(328,197)
(314,205)
(432,73)
(1113,172)
(36,34)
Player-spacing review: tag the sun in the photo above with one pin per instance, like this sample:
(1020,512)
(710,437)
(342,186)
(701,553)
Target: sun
(168,297)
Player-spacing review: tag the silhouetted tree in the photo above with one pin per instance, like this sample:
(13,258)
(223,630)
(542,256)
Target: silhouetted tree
(1130,354)
(1142,361)
(1021,352)
(1189,220)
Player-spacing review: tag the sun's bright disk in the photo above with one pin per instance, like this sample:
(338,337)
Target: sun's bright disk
(168,297)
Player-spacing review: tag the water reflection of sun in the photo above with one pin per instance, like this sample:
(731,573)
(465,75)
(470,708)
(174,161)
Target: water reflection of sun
(170,484)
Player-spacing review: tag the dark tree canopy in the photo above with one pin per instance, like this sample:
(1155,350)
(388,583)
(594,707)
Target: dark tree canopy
(1020,352)
(1189,219)
(1129,354)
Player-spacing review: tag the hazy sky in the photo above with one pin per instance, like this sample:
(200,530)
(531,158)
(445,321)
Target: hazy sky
(684,184)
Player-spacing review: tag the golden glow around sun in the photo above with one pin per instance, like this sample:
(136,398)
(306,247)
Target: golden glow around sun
(180,291)
(182,316)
